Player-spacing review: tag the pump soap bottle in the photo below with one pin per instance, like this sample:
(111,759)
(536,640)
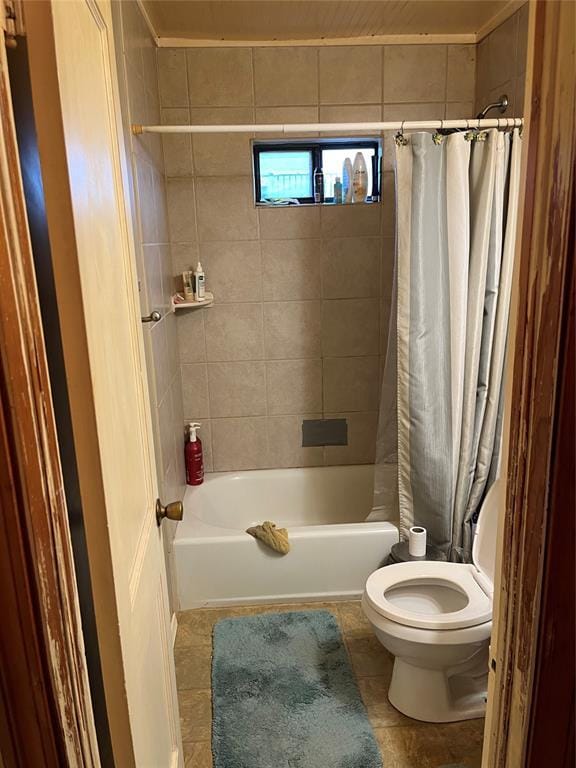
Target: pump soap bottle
(193,456)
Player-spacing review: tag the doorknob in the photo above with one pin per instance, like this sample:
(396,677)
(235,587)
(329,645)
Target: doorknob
(153,317)
(173,511)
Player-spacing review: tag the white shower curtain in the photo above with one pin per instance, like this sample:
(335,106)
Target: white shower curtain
(438,439)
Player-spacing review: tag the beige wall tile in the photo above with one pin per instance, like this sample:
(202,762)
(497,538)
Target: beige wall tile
(225,209)
(398,112)
(191,338)
(169,322)
(461,76)
(181,210)
(172,77)
(165,433)
(503,49)
(350,74)
(522,47)
(133,34)
(136,96)
(387,267)
(161,359)
(291,269)
(195,390)
(414,73)
(351,383)
(233,270)
(388,205)
(280,115)
(292,329)
(219,77)
(519,95)
(177,147)
(166,275)
(285,443)
(294,386)
(285,76)
(234,332)
(351,114)
(237,389)
(290,222)
(458,109)
(350,220)
(239,444)
(361,441)
(184,256)
(350,267)
(152,268)
(144,184)
(226,154)
(350,327)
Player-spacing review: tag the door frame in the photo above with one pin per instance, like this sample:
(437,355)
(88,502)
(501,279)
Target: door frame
(31,481)
(45,706)
(544,257)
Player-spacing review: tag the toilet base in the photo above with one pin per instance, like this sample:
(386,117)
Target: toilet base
(437,696)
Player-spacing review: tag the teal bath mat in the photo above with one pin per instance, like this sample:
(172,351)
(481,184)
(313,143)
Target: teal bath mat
(284,695)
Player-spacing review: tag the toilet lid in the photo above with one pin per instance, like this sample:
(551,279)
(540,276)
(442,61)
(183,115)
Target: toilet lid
(430,595)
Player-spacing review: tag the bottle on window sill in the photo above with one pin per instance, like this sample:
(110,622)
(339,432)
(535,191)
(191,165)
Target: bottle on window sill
(318,186)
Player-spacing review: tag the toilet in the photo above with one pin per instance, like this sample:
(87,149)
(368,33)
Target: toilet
(436,619)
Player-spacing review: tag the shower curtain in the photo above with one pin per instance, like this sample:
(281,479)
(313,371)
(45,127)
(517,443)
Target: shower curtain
(439,430)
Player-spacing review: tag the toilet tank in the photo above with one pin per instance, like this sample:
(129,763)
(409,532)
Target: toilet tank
(485,537)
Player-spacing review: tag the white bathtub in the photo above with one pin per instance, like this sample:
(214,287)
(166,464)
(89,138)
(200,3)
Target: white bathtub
(333,550)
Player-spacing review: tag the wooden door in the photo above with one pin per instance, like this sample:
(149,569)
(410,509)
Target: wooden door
(115,449)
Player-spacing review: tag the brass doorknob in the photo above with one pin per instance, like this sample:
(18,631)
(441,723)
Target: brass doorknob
(172,511)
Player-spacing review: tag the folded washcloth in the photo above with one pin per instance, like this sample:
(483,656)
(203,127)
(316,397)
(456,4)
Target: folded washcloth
(275,538)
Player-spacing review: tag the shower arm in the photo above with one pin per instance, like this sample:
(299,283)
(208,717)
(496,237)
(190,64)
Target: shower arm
(501,105)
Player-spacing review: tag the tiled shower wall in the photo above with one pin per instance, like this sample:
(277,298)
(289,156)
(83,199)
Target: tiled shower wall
(302,295)
(137,69)
(501,65)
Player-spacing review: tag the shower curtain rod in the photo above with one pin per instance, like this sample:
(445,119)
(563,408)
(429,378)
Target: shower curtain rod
(286,128)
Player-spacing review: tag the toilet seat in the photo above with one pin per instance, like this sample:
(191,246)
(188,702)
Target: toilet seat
(467,601)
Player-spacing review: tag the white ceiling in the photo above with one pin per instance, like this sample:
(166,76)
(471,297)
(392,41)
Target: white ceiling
(234,21)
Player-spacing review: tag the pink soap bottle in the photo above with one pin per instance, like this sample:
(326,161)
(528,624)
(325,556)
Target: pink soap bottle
(194,457)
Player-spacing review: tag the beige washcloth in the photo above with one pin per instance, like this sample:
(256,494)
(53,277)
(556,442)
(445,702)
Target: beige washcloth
(275,538)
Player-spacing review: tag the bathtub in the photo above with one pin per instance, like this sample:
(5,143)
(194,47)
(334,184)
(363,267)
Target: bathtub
(333,550)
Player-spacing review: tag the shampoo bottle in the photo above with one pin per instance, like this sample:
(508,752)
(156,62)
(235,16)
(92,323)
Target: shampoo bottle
(200,281)
(318,186)
(359,179)
(193,456)
(337,191)
(347,181)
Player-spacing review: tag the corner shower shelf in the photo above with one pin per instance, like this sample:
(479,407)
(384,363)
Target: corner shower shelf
(177,306)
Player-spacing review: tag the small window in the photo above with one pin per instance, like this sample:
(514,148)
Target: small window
(284,171)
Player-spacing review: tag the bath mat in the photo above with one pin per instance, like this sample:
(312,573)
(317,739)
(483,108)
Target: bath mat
(284,695)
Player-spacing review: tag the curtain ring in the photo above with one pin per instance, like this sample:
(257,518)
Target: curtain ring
(400,139)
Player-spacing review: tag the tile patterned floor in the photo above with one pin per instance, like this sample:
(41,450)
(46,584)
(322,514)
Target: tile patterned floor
(404,743)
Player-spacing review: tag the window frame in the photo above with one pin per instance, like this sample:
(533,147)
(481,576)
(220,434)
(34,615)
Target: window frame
(316,147)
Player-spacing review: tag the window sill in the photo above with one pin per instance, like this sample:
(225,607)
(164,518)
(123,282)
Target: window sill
(315,205)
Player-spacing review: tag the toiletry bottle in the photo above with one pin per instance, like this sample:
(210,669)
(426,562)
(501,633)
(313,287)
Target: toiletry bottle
(337,191)
(200,283)
(187,282)
(359,179)
(347,181)
(318,186)
(193,456)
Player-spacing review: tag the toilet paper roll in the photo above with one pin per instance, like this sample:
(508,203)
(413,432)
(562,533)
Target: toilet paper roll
(417,541)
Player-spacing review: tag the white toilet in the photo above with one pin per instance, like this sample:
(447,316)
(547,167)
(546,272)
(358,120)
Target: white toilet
(436,619)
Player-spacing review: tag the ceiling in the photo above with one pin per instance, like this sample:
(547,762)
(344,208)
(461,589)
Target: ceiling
(235,21)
